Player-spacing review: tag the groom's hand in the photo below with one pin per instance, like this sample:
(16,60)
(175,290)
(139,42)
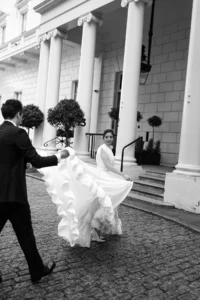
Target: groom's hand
(64,153)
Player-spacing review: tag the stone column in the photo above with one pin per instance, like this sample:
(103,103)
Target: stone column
(84,96)
(95,93)
(182,187)
(130,81)
(41,86)
(53,84)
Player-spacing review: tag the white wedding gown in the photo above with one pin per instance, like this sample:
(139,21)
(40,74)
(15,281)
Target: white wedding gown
(86,197)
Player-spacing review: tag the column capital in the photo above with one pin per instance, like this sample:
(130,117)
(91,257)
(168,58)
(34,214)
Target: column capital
(54,33)
(58,33)
(43,38)
(125,3)
(89,18)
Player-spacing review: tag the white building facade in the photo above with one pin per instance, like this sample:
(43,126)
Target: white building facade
(79,49)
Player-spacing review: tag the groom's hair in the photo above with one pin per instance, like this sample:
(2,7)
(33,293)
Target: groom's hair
(10,108)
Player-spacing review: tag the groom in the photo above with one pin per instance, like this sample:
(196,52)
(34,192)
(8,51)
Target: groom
(15,151)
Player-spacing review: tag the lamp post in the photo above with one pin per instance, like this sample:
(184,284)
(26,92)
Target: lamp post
(145,64)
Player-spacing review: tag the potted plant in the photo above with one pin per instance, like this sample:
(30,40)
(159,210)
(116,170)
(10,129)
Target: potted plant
(66,115)
(154,122)
(32,117)
(139,151)
(151,155)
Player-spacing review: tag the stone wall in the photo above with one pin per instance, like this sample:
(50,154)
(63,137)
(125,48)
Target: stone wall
(163,93)
(23,79)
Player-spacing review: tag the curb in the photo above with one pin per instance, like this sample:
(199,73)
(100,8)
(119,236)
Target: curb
(186,225)
(34,177)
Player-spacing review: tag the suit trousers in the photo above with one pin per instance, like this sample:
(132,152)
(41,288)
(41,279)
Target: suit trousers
(20,217)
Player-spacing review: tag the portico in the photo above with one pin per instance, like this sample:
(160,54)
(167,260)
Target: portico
(94,44)
(92,47)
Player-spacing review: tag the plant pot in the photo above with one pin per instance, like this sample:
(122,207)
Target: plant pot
(152,159)
(139,158)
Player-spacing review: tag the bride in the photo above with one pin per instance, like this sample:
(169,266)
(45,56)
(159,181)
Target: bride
(87,197)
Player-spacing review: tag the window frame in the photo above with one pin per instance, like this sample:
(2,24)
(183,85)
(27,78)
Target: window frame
(24,21)
(74,90)
(18,95)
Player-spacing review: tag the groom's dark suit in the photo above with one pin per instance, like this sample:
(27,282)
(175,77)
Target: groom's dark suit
(15,151)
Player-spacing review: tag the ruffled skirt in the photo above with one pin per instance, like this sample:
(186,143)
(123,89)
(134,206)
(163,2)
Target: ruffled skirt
(86,198)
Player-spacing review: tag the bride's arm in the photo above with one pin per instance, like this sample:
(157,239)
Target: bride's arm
(108,165)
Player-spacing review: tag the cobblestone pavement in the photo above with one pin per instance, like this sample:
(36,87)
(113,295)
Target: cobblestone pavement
(153,259)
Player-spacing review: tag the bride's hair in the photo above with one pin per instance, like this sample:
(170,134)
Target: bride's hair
(107,131)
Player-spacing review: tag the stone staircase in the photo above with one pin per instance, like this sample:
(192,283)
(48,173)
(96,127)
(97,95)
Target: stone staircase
(150,188)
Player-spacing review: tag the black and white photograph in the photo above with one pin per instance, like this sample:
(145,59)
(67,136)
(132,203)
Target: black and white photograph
(99,150)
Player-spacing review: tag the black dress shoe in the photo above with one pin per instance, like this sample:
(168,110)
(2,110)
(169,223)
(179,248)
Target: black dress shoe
(46,271)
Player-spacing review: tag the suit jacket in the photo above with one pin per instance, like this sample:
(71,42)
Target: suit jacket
(15,151)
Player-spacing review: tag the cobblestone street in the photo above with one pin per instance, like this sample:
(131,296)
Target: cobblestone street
(153,259)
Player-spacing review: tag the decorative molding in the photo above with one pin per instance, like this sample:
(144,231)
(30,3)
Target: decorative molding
(30,54)
(125,3)
(3,17)
(21,3)
(89,18)
(47,5)
(7,64)
(17,60)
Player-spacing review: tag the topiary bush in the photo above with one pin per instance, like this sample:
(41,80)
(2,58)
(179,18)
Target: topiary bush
(32,116)
(65,115)
(154,122)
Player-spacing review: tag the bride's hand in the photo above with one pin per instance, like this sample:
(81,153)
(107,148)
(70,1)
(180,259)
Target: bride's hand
(64,153)
(126,177)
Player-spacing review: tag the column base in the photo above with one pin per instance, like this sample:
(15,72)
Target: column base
(183,191)
(187,170)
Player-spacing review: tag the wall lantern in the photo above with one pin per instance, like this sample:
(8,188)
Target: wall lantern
(145,61)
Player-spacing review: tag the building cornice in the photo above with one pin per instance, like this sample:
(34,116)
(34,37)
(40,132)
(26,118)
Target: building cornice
(21,3)
(3,16)
(47,5)
(125,3)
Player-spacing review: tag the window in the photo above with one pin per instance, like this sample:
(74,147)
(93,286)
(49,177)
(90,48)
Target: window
(18,96)
(74,89)
(117,97)
(24,22)
(3,34)
(118,87)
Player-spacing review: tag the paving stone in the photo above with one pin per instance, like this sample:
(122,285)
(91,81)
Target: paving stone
(153,259)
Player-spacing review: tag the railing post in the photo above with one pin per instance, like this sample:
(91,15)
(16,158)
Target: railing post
(122,155)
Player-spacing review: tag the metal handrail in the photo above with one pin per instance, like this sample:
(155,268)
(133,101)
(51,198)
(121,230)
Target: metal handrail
(91,143)
(57,139)
(122,156)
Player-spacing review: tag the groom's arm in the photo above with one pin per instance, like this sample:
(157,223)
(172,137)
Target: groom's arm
(30,154)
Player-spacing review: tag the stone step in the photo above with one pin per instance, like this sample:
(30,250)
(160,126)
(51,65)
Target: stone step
(148,187)
(148,194)
(132,196)
(158,174)
(152,179)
